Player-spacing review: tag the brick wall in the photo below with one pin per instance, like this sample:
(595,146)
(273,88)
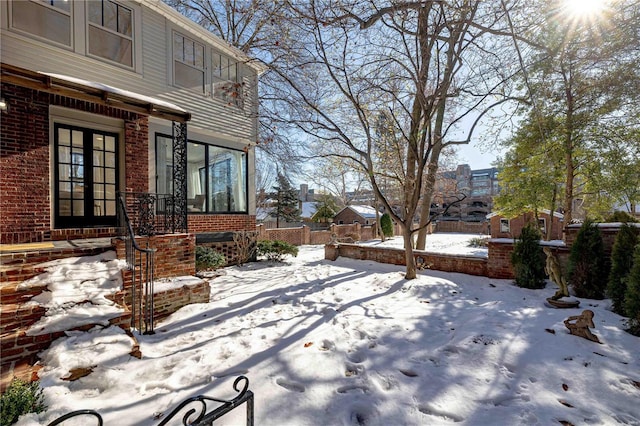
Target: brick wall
(517,223)
(202,223)
(439,262)
(25,161)
(499,261)
(460,226)
(175,254)
(170,301)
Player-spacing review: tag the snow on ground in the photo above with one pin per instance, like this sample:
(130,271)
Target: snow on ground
(351,342)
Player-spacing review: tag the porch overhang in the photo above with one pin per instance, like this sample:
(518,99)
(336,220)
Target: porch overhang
(97,93)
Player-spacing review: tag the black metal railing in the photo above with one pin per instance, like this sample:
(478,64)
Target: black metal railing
(140,263)
(153,214)
(191,416)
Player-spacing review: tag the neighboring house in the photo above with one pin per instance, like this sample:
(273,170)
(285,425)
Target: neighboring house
(105,97)
(502,227)
(363,215)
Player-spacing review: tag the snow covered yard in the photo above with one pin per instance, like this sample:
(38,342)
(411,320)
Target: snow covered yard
(351,342)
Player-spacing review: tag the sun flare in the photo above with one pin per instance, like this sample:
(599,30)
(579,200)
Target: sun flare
(584,8)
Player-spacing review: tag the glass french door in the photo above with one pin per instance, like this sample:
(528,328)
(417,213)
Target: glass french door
(86,177)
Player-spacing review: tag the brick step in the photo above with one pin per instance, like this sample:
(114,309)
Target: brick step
(19,317)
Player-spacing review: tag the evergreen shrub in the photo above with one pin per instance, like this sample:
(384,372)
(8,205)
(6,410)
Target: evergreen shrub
(632,295)
(587,271)
(386,225)
(528,259)
(621,263)
(208,259)
(276,250)
(20,398)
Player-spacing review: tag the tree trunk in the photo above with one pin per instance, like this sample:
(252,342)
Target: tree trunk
(411,272)
(425,213)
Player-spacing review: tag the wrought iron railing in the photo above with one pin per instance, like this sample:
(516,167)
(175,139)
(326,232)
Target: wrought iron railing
(154,214)
(140,263)
(191,416)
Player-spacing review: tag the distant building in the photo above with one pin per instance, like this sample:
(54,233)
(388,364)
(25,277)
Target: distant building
(363,215)
(502,227)
(476,188)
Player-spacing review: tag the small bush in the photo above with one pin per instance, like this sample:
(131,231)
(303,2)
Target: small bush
(632,294)
(208,259)
(386,225)
(276,250)
(477,242)
(620,216)
(20,398)
(621,263)
(528,259)
(588,270)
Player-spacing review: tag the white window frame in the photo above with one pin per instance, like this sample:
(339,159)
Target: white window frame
(131,38)
(175,59)
(505,225)
(70,14)
(224,82)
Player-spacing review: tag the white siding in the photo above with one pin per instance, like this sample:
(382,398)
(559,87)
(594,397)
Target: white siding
(152,76)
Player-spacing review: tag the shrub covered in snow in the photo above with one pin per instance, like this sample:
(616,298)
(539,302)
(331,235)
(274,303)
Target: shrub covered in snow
(207,259)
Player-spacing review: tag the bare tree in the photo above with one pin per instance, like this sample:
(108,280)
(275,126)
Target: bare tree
(405,60)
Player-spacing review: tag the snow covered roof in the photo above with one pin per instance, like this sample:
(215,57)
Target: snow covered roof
(364,211)
(152,104)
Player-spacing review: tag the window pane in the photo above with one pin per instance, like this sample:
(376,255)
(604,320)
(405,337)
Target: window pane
(95,11)
(110,192)
(227,180)
(215,65)
(111,208)
(124,21)
(110,159)
(98,174)
(178,47)
(65,208)
(110,15)
(64,170)
(78,207)
(110,175)
(164,165)
(42,21)
(188,53)
(98,191)
(99,208)
(196,183)
(77,138)
(98,142)
(64,154)
(64,137)
(110,46)
(199,56)
(186,76)
(110,143)
(98,158)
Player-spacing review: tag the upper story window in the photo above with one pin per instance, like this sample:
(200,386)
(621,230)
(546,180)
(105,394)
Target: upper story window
(49,19)
(505,225)
(226,78)
(188,63)
(110,31)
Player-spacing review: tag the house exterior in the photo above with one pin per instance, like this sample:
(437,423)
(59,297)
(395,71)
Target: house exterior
(502,227)
(108,97)
(364,215)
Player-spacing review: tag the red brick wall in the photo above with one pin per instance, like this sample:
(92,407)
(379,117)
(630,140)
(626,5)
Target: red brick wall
(170,301)
(175,255)
(499,261)
(439,262)
(25,201)
(517,223)
(202,223)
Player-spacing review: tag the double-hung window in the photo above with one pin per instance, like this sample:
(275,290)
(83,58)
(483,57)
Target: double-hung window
(188,63)
(48,19)
(226,77)
(505,225)
(110,31)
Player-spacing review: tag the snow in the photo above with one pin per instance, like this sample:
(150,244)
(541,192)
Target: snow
(116,91)
(351,342)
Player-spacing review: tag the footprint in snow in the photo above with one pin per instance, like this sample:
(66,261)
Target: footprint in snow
(353,388)
(436,412)
(289,385)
